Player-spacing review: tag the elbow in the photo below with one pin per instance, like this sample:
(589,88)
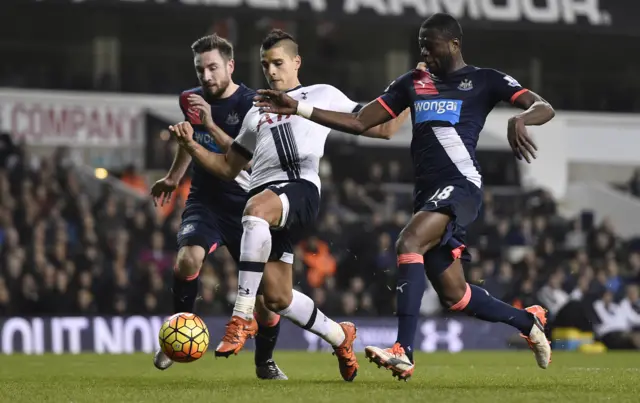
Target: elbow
(356,130)
(356,127)
(552,112)
(360,128)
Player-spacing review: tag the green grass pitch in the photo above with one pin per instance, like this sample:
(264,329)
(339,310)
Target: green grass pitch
(314,377)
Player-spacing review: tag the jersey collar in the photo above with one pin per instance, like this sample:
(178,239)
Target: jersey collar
(294,88)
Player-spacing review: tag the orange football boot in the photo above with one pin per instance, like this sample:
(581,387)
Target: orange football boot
(536,339)
(346,357)
(394,359)
(238,330)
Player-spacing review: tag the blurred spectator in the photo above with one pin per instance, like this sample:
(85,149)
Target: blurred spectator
(66,251)
(320,264)
(552,295)
(630,306)
(615,329)
(131,177)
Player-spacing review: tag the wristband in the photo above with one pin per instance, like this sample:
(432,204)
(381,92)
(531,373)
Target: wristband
(305,110)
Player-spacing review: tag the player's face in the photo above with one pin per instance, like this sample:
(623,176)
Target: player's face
(437,51)
(280,68)
(214,72)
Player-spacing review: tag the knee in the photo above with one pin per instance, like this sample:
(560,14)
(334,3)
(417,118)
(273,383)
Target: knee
(456,298)
(406,243)
(266,205)
(255,208)
(278,301)
(263,314)
(410,242)
(189,262)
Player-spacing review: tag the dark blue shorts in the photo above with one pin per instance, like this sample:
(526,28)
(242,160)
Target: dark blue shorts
(301,204)
(459,199)
(211,227)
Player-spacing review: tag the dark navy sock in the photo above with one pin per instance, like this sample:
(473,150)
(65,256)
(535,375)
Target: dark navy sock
(185,293)
(410,288)
(479,303)
(266,340)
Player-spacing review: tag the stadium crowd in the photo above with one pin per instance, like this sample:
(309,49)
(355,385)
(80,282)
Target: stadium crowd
(63,251)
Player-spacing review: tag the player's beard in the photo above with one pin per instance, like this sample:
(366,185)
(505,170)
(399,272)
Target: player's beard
(218,90)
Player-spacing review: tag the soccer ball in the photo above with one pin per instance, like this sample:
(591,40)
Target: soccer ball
(184,337)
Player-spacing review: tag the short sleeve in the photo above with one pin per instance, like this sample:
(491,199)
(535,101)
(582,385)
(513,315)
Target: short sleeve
(339,102)
(504,87)
(396,97)
(245,143)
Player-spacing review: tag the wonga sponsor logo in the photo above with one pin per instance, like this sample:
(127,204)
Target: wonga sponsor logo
(444,110)
(207,141)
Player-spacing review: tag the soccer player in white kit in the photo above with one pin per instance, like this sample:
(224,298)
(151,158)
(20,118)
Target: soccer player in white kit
(285,152)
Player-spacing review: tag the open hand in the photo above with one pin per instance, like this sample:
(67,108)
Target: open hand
(162,190)
(203,108)
(519,140)
(278,102)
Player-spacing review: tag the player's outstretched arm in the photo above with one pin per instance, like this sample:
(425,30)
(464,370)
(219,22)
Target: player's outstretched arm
(537,111)
(388,129)
(226,166)
(373,114)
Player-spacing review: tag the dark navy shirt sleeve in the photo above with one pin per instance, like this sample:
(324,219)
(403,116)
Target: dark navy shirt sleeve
(396,97)
(246,103)
(504,87)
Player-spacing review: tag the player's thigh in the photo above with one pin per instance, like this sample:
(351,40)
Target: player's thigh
(459,199)
(277,285)
(231,230)
(266,205)
(300,201)
(441,212)
(423,232)
(198,236)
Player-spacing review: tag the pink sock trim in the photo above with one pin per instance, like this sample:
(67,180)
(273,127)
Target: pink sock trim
(271,323)
(187,278)
(407,258)
(464,301)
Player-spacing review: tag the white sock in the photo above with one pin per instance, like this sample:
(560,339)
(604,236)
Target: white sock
(255,249)
(303,312)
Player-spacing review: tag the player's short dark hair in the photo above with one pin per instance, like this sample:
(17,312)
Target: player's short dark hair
(213,42)
(444,23)
(276,36)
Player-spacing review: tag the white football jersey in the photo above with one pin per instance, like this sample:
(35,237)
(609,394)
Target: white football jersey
(286,148)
